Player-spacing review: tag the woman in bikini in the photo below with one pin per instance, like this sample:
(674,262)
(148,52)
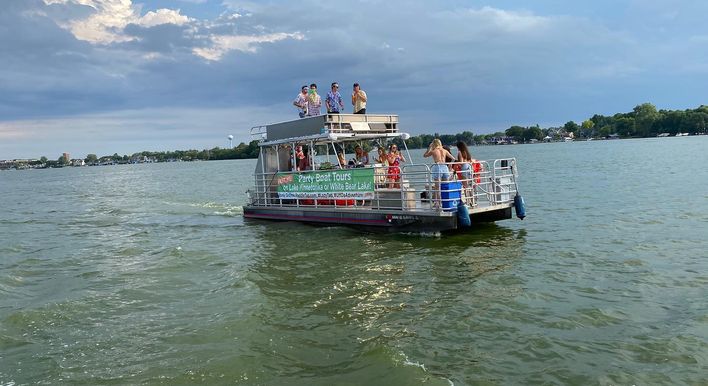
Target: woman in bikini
(439,171)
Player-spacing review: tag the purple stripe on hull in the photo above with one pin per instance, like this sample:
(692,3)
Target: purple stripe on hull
(316,218)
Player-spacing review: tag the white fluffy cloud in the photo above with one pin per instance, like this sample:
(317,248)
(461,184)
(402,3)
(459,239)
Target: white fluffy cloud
(222,44)
(106,24)
(108,19)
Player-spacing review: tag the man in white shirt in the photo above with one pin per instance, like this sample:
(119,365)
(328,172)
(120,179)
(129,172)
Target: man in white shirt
(359,100)
(301,102)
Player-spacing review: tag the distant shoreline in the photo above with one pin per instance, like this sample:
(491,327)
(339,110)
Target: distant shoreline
(644,121)
(138,158)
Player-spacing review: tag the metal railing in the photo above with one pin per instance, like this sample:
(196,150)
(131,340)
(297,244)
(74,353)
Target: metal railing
(414,188)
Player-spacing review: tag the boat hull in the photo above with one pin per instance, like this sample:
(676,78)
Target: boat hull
(389,221)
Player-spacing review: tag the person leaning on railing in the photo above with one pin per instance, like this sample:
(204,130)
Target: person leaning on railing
(439,171)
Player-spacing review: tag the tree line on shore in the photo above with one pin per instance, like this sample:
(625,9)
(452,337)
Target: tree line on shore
(643,121)
(241,151)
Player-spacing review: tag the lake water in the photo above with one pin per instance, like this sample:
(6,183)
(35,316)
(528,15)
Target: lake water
(148,274)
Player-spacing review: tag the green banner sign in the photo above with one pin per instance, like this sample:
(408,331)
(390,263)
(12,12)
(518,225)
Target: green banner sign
(355,183)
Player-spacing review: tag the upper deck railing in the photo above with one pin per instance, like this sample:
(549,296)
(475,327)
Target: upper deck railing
(324,125)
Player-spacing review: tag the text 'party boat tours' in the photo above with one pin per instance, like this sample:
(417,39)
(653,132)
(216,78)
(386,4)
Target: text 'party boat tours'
(299,177)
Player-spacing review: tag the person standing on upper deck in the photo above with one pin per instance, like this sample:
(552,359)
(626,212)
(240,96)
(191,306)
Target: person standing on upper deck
(334,100)
(314,102)
(359,100)
(301,102)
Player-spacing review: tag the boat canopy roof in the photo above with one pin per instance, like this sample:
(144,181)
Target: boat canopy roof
(329,128)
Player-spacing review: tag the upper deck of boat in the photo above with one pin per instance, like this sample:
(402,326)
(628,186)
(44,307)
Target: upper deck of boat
(328,127)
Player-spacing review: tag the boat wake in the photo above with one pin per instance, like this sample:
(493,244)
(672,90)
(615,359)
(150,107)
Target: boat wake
(221,209)
(408,362)
(232,211)
(435,235)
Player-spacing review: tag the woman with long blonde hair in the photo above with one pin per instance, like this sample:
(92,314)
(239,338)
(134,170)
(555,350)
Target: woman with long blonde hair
(439,171)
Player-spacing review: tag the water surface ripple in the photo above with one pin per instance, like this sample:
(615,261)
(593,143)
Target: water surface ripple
(148,274)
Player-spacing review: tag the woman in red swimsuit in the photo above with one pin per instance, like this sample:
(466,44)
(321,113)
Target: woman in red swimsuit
(394,171)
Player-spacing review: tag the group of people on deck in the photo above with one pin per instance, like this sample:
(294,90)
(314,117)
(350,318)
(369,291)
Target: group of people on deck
(462,165)
(309,103)
(391,159)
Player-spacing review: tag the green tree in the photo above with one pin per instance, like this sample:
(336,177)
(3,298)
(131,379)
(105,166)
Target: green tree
(516,132)
(625,127)
(586,128)
(533,132)
(466,136)
(91,158)
(571,127)
(605,131)
(644,117)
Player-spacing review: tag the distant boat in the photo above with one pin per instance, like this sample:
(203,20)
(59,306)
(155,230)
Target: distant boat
(682,134)
(567,139)
(663,135)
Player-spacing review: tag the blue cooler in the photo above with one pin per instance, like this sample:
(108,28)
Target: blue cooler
(451,194)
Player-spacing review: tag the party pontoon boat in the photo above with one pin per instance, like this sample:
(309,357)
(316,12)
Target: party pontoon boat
(314,186)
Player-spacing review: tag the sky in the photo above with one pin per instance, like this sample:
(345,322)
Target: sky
(123,76)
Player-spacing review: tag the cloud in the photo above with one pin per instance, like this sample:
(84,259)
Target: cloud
(497,19)
(442,65)
(222,44)
(119,21)
(108,18)
(162,16)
